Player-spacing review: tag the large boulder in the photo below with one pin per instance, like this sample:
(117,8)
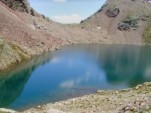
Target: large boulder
(112,12)
(128,24)
(123,26)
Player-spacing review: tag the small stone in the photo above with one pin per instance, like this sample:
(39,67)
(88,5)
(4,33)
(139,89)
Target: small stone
(145,99)
(133,109)
(56,48)
(42,43)
(73,100)
(142,104)
(100,92)
(107,99)
(116,92)
(120,103)
(7,110)
(92,106)
(146,83)
(137,88)
(127,108)
(127,112)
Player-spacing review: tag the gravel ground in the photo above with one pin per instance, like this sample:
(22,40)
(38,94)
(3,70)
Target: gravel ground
(134,100)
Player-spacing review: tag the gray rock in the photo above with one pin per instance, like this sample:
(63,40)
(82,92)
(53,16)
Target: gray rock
(113,12)
(123,26)
(128,24)
(3,110)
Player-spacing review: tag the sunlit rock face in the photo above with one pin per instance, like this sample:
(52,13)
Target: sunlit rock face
(20,5)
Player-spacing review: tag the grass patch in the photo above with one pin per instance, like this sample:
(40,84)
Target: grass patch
(147,32)
(18,50)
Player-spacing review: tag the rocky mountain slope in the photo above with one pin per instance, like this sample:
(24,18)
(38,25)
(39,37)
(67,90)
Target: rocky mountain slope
(118,21)
(126,21)
(18,29)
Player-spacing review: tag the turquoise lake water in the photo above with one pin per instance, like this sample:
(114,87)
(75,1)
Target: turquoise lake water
(74,71)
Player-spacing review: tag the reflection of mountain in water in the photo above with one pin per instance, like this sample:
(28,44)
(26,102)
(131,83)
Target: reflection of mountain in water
(12,84)
(127,63)
(122,63)
(74,71)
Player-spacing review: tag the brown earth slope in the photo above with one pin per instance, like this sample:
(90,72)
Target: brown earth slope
(17,28)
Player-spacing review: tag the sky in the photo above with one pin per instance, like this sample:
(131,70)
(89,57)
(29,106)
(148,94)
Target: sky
(67,11)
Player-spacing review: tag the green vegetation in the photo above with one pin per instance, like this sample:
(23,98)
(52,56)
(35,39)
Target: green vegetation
(32,12)
(147,33)
(114,4)
(10,54)
(1,44)
(131,19)
(19,51)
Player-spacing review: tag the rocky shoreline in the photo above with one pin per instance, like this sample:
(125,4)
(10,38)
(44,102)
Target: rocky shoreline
(132,100)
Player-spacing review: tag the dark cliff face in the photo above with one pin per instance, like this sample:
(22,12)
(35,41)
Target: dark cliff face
(19,5)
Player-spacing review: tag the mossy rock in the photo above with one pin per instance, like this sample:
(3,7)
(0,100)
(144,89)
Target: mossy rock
(1,42)
(10,54)
(147,32)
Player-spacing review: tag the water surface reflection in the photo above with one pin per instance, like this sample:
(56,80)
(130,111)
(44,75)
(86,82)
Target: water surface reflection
(75,71)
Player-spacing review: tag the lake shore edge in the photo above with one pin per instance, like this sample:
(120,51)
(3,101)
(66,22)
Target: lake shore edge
(92,103)
(131,100)
(58,47)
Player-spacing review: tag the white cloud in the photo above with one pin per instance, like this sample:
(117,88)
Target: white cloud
(55,60)
(60,0)
(148,72)
(66,19)
(67,84)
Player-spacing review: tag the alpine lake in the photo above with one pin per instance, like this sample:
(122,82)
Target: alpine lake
(74,71)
